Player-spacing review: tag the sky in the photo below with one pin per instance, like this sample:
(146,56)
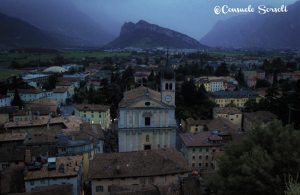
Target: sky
(192,17)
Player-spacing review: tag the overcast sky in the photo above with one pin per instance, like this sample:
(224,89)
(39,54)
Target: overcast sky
(192,17)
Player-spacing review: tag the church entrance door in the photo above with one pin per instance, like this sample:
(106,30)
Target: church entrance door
(147,147)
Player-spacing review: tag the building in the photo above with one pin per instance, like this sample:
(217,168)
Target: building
(57,171)
(213,83)
(253,119)
(36,80)
(233,98)
(5,100)
(191,125)
(43,107)
(199,148)
(147,117)
(252,76)
(28,95)
(233,114)
(94,114)
(87,141)
(55,69)
(11,150)
(60,95)
(152,167)
(69,85)
(203,147)
(6,113)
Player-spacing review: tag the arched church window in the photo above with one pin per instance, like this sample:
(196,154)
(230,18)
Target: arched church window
(170,86)
(166,86)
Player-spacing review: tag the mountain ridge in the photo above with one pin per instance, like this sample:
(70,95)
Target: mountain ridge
(15,32)
(146,35)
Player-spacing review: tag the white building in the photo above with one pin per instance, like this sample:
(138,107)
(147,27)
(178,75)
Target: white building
(28,95)
(58,171)
(60,95)
(147,117)
(5,100)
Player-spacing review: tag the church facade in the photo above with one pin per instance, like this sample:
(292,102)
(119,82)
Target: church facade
(147,118)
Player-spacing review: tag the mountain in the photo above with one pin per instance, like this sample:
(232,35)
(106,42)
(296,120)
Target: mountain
(17,33)
(61,18)
(270,31)
(146,35)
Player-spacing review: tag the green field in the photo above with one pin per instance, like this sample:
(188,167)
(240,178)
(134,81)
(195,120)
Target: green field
(5,73)
(47,58)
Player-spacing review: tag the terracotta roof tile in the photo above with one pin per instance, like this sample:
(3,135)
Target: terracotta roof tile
(71,164)
(138,164)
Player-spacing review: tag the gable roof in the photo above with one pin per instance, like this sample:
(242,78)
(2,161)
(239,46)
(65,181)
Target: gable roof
(137,93)
(137,164)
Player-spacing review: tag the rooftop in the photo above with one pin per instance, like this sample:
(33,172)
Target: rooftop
(141,91)
(138,164)
(66,166)
(92,107)
(41,138)
(32,123)
(34,76)
(6,137)
(27,91)
(200,139)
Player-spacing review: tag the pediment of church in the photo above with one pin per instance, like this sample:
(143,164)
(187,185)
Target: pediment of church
(147,103)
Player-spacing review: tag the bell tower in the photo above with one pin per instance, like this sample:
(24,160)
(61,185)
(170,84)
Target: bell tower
(168,84)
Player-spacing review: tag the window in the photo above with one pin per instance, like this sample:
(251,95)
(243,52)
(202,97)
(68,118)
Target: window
(31,183)
(166,86)
(170,86)
(147,103)
(206,164)
(199,164)
(193,149)
(193,157)
(42,181)
(206,149)
(193,164)
(200,157)
(147,138)
(206,157)
(147,121)
(99,188)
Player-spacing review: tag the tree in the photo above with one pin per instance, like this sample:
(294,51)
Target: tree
(222,70)
(17,100)
(240,78)
(259,163)
(293,188)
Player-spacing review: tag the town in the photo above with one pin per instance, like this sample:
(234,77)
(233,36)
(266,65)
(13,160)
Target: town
(146,121)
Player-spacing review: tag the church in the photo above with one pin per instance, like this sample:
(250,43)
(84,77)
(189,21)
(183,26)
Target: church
(147,117)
